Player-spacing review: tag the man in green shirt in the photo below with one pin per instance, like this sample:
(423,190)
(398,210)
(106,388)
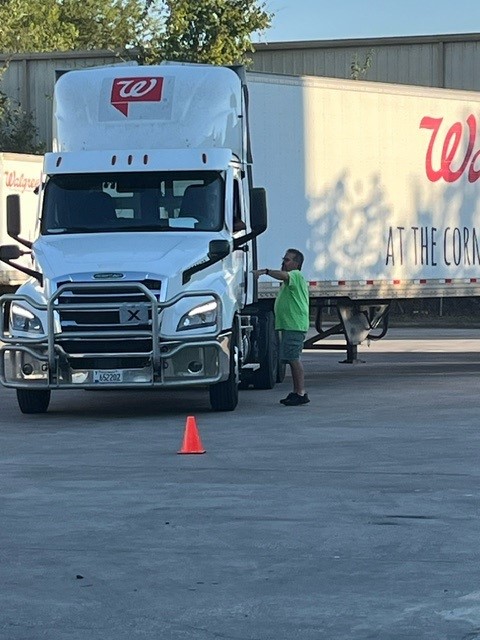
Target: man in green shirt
(292,319)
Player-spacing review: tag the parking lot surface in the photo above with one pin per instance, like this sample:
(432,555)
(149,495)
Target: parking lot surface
(355,517)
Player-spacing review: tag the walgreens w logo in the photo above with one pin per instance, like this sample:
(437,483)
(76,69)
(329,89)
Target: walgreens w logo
(127,90)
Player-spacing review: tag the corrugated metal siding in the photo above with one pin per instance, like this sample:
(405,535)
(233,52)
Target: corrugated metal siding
(437,61)
(416,64)
(451,61)
(13,83)
(462,64)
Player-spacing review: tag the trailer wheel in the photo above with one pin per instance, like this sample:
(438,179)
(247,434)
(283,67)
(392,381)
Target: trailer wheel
(33,400)
(224,395)
(266,376)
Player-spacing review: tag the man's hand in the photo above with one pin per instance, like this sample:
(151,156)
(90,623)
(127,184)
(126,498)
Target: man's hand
(259,272)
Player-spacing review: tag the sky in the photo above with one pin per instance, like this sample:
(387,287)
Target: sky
(338,19)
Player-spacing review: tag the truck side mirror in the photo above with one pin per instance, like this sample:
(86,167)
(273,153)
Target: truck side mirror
(10,252)
(218,249)
(13,220)
(258,216)
(258,210)
(13,215)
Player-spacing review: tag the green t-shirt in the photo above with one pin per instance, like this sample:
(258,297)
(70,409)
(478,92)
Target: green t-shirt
(291,305)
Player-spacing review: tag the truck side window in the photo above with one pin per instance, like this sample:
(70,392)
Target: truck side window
(238,222)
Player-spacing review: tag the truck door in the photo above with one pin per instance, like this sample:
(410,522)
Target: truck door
(242,257)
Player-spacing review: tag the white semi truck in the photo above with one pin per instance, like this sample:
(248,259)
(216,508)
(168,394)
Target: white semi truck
(150,215)
(142,265)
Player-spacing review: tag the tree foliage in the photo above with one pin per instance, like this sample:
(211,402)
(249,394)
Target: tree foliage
(66,25)
(18,133)
(214,31)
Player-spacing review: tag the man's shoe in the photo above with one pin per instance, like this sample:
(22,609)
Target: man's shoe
(288,398)
(295,400)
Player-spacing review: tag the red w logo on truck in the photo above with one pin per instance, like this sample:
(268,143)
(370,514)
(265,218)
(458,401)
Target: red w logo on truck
(127,90)
(450,149)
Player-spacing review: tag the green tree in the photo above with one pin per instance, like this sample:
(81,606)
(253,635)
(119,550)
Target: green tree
(215,31)
(65,25)
(212,31)
(18,133)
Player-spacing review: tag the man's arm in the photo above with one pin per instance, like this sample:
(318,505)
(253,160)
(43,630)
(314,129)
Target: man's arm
(273,273)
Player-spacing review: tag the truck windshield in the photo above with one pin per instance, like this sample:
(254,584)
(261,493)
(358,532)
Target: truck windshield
(86,203)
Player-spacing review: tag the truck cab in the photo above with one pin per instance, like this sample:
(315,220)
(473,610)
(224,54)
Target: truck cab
(142,265)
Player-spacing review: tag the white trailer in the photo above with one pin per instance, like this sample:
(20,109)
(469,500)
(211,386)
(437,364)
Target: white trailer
(20,174)
(377,184)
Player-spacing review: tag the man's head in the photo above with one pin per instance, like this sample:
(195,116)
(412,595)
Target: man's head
(293,259)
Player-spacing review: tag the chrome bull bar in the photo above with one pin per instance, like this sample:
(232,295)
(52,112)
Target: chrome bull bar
(48,350)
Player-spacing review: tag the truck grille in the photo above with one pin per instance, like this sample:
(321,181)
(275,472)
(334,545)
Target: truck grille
(131,311)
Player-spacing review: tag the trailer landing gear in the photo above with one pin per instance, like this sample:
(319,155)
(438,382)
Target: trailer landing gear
(357,320)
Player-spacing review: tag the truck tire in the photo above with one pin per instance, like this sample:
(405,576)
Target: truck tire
(224,395)
(266,376)
(33,400)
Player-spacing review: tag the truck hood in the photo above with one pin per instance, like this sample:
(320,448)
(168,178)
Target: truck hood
(150,254)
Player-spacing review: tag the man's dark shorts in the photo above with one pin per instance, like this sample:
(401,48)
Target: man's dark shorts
(291,345)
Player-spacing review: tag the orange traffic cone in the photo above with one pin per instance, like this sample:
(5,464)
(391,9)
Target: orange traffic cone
(191,438)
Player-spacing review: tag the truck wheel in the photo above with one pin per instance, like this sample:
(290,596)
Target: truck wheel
(266,376)
(224,395)
(33,401)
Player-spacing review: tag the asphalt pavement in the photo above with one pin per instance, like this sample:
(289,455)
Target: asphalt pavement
(355,517)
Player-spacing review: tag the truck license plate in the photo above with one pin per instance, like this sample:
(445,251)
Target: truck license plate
(108,377)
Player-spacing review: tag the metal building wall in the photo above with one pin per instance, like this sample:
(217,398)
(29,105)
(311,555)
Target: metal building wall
(437,61)
(450,61)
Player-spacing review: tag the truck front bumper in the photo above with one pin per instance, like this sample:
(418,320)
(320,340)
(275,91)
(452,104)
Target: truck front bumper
(112,356)
(181,364)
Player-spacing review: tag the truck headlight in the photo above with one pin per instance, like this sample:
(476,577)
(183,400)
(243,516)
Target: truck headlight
(205,315)
(22,319)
